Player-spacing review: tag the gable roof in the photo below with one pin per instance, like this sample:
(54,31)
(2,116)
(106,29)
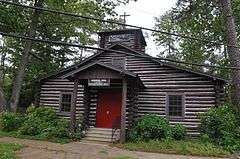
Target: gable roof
(98,63)
(137,54)
(119,45)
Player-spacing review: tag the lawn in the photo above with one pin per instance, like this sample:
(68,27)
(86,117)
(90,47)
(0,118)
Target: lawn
(185,147)
(15,134)
(7,150)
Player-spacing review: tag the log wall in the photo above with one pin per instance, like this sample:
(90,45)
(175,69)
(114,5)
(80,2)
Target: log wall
(199,91)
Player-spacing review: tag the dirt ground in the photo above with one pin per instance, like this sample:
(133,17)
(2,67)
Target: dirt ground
(81,150)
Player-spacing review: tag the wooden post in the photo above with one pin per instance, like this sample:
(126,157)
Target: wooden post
(86,106)
(73,106)
(123,111)
(217,94)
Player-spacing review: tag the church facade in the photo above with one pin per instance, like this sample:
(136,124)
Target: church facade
(111,89)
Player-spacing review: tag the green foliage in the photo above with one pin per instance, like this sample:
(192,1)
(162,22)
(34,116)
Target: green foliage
(181,147)
(10,121)
(7,150)
(155,127)
(178,132)
(42,122)
(205,138)
(51,26)
(76,136)
(199,19)
(38,120)
(150,127)
(221,126)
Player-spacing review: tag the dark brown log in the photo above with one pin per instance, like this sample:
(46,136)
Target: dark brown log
(73,107)
(123,111)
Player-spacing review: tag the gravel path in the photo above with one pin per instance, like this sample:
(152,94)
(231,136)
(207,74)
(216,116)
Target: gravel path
(79,150)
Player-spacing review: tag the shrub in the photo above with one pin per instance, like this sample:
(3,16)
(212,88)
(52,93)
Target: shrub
(10,121)
(32,126)
(150,127)
(178,132)
(41,122)
(217,121)
(44,113)
(76,136)
(44,122)
(205,138)
(59,130)
(221,126)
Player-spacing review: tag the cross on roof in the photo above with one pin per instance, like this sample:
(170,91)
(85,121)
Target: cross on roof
(124,15)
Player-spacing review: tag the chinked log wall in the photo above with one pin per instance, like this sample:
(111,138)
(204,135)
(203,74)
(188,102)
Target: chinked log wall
(199,91)
(51,91)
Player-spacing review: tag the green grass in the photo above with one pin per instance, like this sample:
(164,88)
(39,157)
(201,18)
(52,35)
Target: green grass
(186,147)
(7,150)
(15,134)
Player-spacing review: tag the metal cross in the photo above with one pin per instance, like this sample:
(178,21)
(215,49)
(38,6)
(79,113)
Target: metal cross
(125,15)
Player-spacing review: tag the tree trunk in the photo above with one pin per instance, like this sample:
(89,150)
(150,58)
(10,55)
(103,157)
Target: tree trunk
(3,102)
(234,53)
(24,59)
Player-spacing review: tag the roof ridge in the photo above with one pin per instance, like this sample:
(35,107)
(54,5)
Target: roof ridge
(143,56)
(112,67)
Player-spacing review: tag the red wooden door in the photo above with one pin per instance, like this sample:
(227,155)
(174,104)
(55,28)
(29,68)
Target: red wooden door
(108,108)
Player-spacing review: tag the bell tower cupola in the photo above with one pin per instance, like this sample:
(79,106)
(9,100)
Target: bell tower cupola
(131,38)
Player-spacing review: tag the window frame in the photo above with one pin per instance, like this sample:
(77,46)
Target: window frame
(183,105)
(123,58)
(60,102)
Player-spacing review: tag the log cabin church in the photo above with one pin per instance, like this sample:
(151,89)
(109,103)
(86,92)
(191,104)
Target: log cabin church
(111,89)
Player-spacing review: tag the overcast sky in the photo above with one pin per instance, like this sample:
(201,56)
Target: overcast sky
(142,14)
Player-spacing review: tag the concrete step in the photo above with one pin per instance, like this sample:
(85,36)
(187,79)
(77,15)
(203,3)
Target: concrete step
(100,135)
(97,139)
(101,131)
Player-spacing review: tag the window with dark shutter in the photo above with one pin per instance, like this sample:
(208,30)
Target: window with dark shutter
(175,105)
(66,102)
(119,62)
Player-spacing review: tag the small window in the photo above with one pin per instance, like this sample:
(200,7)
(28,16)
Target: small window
(66,102)
(119,62)
(175,105)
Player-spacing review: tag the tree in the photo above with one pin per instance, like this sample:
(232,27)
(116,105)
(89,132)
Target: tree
(2,69)
(195,18)
(24,58)
(233,51)
(204,20)
(51,26)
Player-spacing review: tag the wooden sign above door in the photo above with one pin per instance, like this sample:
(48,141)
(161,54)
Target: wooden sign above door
(99,82)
